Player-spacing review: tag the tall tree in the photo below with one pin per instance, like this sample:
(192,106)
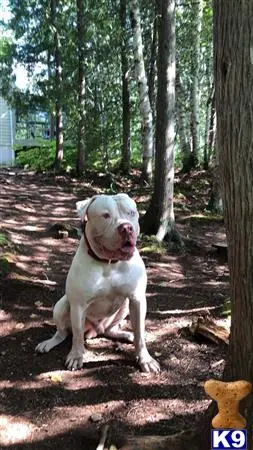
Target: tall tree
(182,129)
(196,30)
(80,88)
(58,86)
(209,129)
(233,97)
(142,86)
(152,65)
(126,144)
(159,219)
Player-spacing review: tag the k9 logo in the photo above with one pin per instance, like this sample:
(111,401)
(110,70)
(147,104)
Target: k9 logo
(229,439)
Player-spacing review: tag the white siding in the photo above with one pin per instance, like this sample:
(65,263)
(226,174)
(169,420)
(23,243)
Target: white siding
(6,134)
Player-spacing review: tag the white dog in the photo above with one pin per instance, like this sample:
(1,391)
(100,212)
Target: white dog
(107,278)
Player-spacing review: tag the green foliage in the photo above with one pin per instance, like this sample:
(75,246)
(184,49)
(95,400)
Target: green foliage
(185,35)
(3,240)
(37,158)
(29,41)
(150,244)
(226,310)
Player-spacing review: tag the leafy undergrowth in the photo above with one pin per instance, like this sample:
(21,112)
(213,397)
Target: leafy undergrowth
(149,245)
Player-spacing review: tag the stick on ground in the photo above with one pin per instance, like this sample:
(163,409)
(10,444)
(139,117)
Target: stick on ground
(101,444)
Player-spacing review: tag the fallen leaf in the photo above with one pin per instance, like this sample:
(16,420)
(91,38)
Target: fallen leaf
(38,303)
(56,378)
(34,316)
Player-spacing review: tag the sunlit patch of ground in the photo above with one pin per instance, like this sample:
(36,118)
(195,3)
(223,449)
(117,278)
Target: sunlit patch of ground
(14,430)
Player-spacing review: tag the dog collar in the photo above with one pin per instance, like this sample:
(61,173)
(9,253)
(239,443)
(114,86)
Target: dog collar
(93,254)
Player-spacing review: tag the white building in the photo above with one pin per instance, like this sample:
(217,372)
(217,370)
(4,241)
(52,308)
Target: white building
(7,134)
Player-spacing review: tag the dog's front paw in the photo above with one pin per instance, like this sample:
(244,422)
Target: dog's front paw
(44,347)
(74,360)
(148,364)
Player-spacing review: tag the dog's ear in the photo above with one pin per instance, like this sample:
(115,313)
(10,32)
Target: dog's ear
(82,207)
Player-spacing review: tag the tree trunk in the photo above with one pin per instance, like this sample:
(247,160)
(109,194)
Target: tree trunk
(185,145)
(152,68)
(51,127)
(51,130)
(209,115)
(58,89)
(196,30)
(126,144)
(212,129)
(159,219)
(215,200)
(142,85)
(234,93)
(81,88)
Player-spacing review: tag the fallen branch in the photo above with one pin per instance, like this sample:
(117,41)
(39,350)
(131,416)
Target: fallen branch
(208,329)
(101,444)
(185,311)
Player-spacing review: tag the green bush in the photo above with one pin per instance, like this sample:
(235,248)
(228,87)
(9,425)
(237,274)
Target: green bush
(42,158)
(37,158)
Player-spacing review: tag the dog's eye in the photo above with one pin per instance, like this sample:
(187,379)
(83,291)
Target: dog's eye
(131,213)
(106,216)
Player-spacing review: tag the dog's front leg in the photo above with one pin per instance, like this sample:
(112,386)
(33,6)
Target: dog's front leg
(75,357)
(138,307)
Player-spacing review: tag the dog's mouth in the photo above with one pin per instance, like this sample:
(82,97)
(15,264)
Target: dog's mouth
(128,246)
(124,252)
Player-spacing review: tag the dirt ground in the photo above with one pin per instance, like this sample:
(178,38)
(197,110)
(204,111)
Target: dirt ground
(44,406)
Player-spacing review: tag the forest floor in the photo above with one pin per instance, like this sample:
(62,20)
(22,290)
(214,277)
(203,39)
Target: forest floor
(44,406)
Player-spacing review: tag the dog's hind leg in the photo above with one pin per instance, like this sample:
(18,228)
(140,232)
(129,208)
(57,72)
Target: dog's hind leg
(112,325)
(61,318)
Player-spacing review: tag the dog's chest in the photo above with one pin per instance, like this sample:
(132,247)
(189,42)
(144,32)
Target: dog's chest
(109,295)
(113,283)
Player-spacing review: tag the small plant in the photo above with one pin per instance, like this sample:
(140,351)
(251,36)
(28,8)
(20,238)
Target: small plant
(150,244)
(226,309)
(3,240)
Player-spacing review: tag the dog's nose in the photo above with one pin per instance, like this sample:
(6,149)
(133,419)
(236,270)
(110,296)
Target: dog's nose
(125,229)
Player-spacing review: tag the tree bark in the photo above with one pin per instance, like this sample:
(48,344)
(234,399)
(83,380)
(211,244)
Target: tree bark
(142,86)
(126,144)
(58,89)
(212,129)
(234,93)
(81,88)
(196,30)
(159,219)
(185,145)
(208,118)
(152,67)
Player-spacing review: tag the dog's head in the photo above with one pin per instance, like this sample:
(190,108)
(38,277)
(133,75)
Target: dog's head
(111,225)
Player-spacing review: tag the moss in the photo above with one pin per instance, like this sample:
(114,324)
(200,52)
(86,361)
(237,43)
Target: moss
(150,244)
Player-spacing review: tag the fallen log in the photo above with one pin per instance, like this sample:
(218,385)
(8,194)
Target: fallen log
(207,328)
